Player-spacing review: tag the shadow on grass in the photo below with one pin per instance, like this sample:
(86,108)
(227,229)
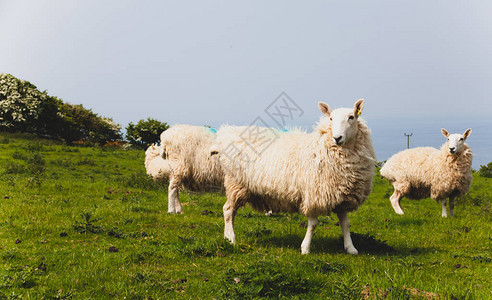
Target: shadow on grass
(364,243)
(318,245)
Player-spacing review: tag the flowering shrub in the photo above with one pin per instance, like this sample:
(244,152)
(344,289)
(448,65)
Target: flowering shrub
(26,109)
(22,106)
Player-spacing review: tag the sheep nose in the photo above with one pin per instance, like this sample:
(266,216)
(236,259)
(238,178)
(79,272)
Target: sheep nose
(451,149)
(337,139)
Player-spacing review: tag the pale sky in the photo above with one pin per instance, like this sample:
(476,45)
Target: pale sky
(215,62)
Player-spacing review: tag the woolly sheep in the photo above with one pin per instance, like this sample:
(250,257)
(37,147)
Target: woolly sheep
(328,170)
(157,167)
(186,147)
(428,172)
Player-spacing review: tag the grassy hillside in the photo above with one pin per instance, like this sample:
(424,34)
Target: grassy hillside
(86,223)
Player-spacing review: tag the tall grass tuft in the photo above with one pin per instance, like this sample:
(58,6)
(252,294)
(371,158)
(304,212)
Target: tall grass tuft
(140,180)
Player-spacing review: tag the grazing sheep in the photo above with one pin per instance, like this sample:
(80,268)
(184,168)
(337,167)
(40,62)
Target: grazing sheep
(428,172)
(186,147)
(156,166)
(328,170)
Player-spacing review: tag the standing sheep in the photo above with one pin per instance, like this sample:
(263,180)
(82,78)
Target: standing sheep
(186,147)
(428,172)
(328,170)
(155,165)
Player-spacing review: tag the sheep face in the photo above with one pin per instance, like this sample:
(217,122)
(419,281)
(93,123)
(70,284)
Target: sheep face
(343,121)
(456,142)
(151,150)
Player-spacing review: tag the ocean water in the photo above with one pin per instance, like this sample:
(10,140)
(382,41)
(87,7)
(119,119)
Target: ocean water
(388,136)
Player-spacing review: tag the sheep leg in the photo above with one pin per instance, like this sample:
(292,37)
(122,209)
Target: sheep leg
(444,213)
(451,206)
(395,202)
(236,195)
(177,205)
(229,215)
(306,243)
(173,204)
(347,240)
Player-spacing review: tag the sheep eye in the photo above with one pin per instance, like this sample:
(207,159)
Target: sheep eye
(461,139)
(331,119)
(351,117)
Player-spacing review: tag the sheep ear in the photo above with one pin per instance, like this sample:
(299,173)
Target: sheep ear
(358,106)
(445,132)
(467,133)
(325,108)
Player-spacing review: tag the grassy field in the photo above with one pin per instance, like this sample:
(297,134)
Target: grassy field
(86,223)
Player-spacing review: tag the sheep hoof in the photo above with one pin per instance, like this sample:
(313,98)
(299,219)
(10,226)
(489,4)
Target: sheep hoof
(352,251)
(304,250)
(231,240)
(397,208)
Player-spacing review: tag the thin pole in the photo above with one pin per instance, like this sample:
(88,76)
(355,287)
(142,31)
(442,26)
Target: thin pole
(408,139)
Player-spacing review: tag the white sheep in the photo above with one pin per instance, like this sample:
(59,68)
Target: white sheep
(186,147)
(328,170)
(156,166)
(428,172)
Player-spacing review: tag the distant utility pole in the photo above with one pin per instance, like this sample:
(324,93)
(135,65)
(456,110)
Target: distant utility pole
(408,139)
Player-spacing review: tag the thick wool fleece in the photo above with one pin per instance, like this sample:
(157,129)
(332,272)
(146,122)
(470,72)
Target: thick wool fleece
(187,148)
(298,172)
(427,172)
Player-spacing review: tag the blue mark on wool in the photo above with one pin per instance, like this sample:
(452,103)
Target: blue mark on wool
(212,130)
(284,130)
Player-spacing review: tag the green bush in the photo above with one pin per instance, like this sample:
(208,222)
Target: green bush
(486,171)
(85,125)
(145,132)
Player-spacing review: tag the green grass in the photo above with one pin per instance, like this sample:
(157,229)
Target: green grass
(86,223)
